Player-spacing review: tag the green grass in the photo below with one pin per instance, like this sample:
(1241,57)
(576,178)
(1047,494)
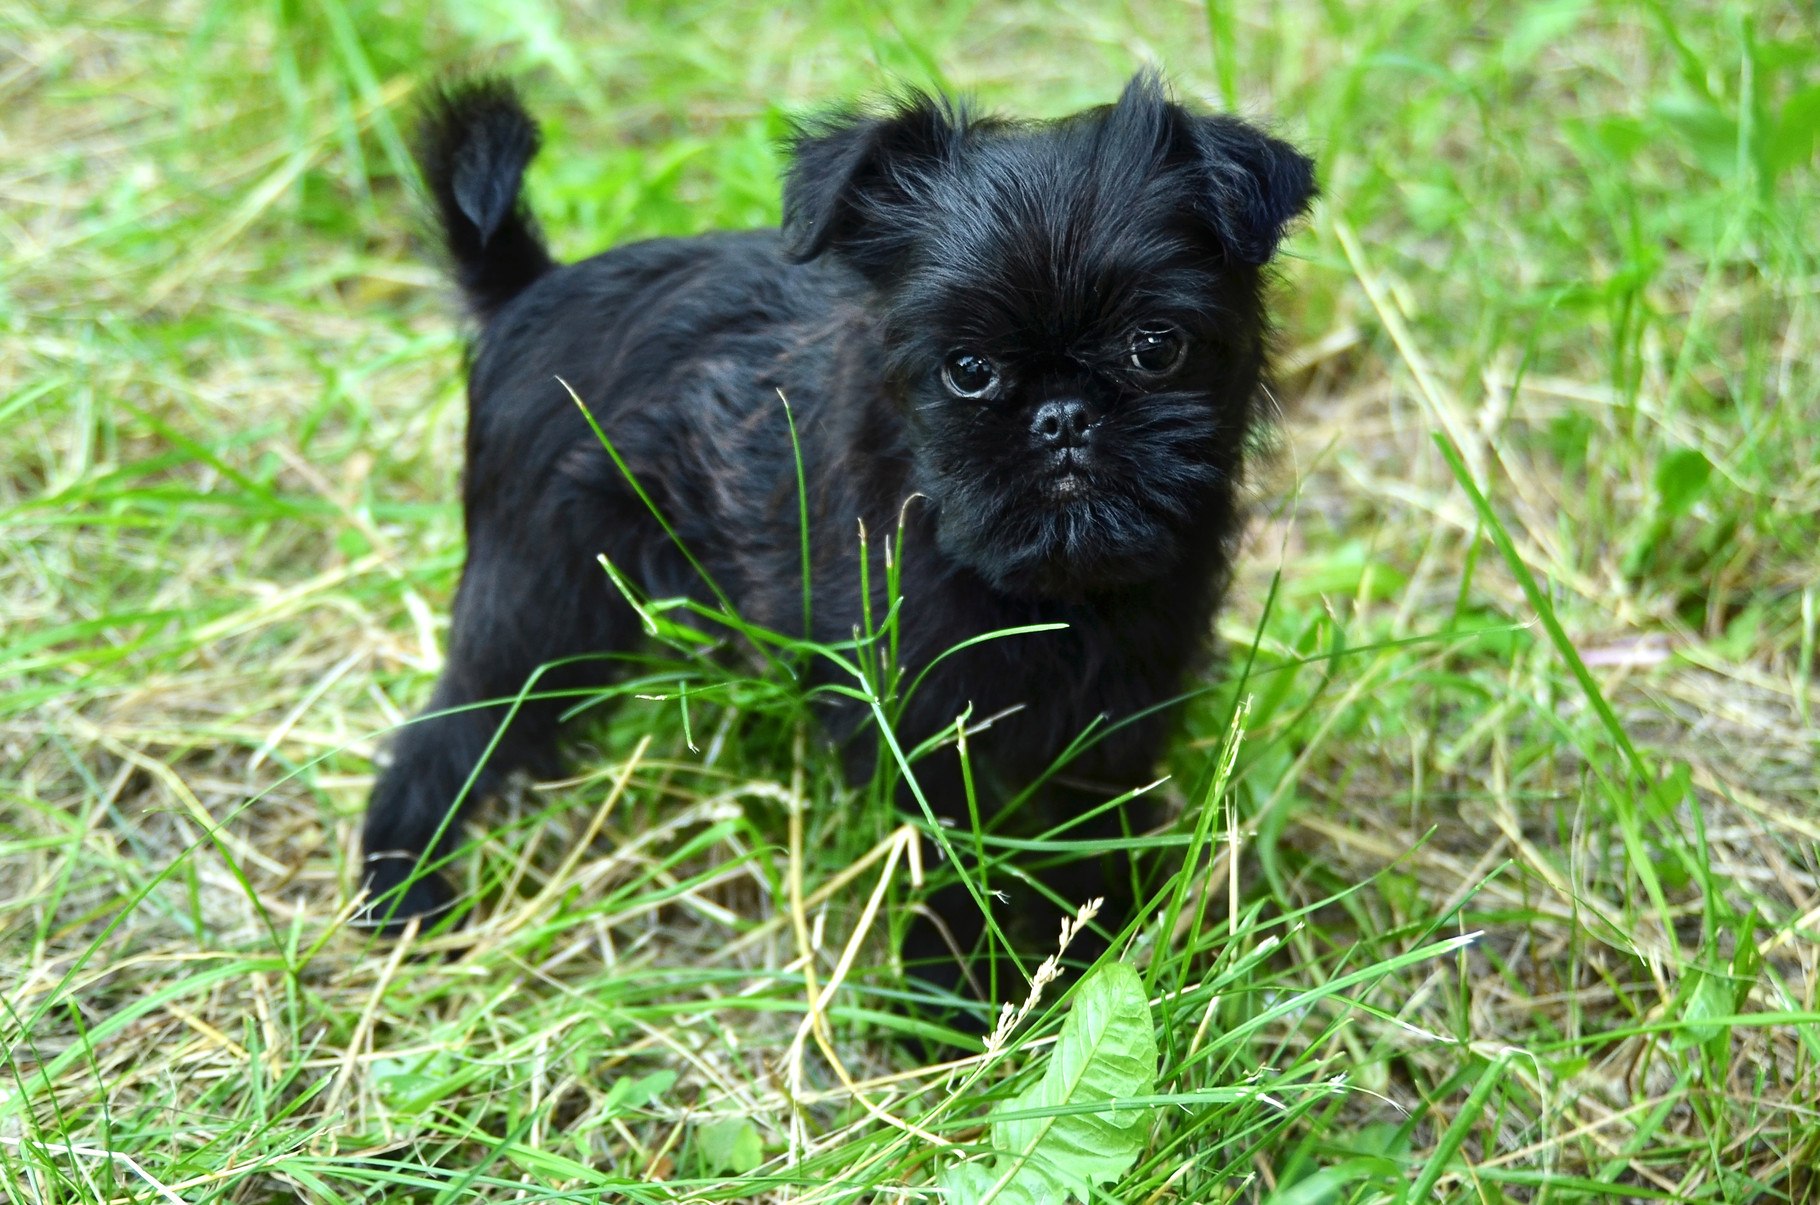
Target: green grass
(1523,647)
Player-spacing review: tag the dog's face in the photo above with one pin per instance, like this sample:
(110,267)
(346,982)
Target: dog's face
(1072,317)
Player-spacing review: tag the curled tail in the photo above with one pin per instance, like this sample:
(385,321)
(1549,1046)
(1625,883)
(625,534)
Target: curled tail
(474,139)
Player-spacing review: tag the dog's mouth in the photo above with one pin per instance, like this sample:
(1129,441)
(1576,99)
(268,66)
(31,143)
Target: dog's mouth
(1067,479)
(1068,485)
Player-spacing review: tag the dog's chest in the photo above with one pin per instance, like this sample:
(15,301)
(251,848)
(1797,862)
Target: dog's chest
(1042,689)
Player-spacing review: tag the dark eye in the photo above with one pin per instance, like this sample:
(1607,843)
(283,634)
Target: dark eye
(969,375)
(1156,350)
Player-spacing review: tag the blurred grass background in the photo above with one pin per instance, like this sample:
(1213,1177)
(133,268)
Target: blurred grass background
(1529,614)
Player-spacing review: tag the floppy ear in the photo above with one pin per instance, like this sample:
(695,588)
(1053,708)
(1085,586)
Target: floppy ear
(1256,184)
(1250,185)
(854,180)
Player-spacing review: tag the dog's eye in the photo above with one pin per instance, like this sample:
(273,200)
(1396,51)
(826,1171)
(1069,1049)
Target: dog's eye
(1155,350)
(969,375)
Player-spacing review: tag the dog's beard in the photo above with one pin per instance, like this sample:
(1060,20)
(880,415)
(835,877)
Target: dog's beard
(1118,516)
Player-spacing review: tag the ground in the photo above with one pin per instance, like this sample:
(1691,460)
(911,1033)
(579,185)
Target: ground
(1502,819)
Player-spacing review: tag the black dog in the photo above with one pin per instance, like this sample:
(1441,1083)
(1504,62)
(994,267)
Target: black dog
(1042,345)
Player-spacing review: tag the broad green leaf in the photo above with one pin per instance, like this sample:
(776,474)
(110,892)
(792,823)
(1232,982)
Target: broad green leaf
(1710,998)
(1044,1150)
(1681,478)
(627,1094)
(1747,961)
(409,1086)
(1329,1184)
(1537,27)
(1791,142)
(1712,135)
(732,1145)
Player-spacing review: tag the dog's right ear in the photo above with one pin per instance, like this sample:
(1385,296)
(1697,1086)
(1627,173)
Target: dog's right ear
(856,180)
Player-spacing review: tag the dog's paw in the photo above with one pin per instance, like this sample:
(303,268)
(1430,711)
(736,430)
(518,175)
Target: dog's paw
(397,892)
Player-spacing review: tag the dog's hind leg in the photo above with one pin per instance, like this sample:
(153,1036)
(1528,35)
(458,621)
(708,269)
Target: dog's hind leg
(535,623)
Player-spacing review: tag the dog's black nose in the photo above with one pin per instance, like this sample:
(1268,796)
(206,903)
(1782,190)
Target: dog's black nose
(1061,424)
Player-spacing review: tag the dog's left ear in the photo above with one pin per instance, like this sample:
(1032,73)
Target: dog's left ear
(1257,184)
(1252,186)
(853,180)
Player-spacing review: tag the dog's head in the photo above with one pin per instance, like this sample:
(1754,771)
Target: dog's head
(1072,312)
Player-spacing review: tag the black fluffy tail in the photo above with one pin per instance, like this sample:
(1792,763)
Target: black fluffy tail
(473,142)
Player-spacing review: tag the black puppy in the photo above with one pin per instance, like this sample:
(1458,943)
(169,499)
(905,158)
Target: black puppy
(1041,344)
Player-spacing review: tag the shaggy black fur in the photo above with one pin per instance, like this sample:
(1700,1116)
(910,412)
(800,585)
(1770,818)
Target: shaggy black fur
(1053,333)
